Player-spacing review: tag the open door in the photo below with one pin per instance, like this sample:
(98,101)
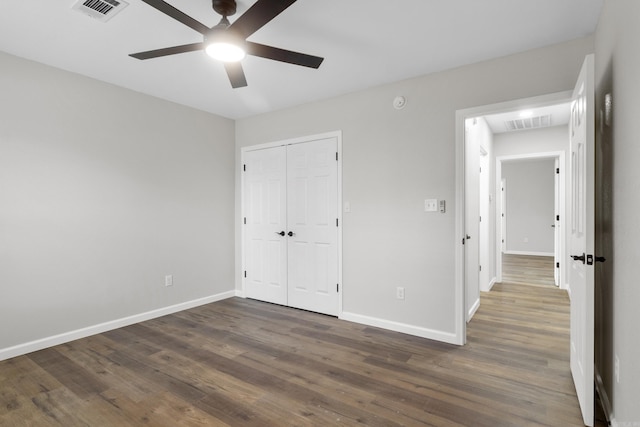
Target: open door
(581,239)
(472,217)
(557,238)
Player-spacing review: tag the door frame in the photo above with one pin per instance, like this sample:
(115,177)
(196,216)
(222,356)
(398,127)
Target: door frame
(285,142)
(559,156)
(461,116)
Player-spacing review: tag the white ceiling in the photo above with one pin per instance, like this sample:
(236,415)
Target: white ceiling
(364,42)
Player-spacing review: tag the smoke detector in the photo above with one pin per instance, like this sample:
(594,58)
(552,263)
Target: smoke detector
(101,10)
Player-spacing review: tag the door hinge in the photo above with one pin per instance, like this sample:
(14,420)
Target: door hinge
(502,215)
(244,168)
(245,220)
(480,170)
(480,268)
(557,217)
(463,240)
(480,219)
(245,273)
(337,222)
(557,265)
(557,170)
(337,287)
(336,156)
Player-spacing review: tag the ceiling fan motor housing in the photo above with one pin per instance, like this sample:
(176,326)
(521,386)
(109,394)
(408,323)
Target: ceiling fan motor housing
(224,7)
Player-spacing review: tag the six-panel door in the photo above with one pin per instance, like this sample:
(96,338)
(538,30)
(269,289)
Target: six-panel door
(291,231)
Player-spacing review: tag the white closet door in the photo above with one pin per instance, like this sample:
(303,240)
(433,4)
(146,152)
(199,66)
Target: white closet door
(265,245)
(312,212)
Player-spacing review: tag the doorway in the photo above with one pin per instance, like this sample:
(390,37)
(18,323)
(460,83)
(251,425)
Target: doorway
(531,214)
(496,201)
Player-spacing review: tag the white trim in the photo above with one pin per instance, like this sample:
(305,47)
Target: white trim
(530,253)
(400,327)
(560,155)
(491,283)
(299,140)
(604,397)
(459,235)
(461,116)
(473,309)
(20,349)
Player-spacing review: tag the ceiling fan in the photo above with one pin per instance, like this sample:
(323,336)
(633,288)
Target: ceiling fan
(228,41)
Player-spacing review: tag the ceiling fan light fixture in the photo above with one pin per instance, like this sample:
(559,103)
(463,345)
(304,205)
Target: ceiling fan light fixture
(225,51)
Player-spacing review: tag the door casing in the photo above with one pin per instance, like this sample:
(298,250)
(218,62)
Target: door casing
(561,209)
(461,116)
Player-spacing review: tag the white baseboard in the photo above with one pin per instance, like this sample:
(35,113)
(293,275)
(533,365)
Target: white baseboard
(473,309)
(529,253)
(402,327)
(604,398)
(489,286)
(20,349)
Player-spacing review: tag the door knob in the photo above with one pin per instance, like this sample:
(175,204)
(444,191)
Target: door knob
(579,258)
(600,259)
(280,233)
(291,233)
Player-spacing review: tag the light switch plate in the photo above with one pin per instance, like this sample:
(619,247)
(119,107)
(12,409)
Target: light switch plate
(431,205)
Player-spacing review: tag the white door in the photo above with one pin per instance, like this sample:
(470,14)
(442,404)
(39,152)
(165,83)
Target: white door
(556,224)
(483,238)
(472,217)
(312,215)
(265,245)
(291,231)
(581,241)
(503,215)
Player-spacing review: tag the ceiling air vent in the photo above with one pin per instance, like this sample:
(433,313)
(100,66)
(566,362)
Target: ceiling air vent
(102,10)
(528,123)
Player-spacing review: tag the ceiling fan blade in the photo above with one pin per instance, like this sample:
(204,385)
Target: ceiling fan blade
(282,55)
(258,15)
(236,74)
(168,51)
(179,16)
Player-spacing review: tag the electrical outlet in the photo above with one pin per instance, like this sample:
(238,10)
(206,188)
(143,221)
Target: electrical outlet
(168,280)
(400,292)
(616,368)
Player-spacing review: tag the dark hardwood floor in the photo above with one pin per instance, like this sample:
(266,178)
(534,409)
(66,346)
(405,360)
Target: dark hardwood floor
(246,363)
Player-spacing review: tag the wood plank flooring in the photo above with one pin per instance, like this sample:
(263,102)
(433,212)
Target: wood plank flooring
(246,363)
(528,270)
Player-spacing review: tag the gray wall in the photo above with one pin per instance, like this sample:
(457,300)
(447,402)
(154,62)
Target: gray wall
(103,192)
(530,206)
(393,160)
(545,140)
(618,201)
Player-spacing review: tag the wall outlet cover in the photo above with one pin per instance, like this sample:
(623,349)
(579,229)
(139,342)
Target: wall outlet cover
(431,205)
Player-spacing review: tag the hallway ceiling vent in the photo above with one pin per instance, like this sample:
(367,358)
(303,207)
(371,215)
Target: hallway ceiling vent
(101,10)
(528,123)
